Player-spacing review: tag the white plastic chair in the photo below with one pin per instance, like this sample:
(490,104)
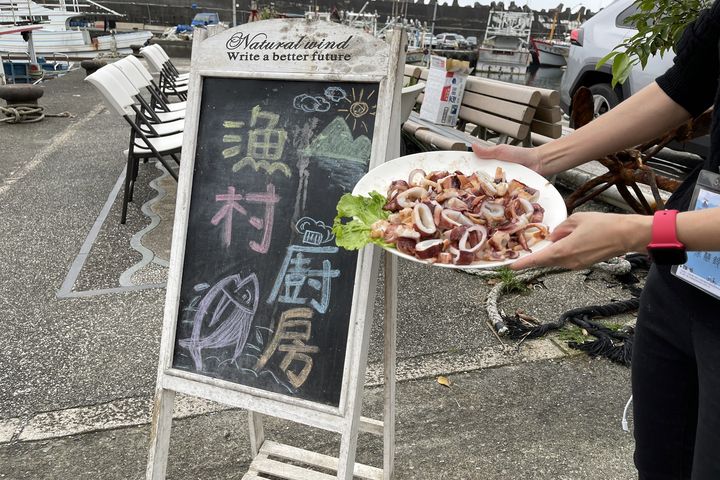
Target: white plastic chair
(166,82)
(136,72)
(168,63)
(408,99)
(151,122)
(142,146)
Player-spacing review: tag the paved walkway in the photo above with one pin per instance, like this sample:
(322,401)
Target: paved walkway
(83,297)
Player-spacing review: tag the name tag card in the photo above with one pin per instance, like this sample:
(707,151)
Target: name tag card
(702,269)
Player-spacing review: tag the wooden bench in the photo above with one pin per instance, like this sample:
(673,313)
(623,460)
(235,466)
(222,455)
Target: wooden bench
(494,111)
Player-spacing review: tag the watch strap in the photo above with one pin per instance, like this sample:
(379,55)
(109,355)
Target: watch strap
(664,230)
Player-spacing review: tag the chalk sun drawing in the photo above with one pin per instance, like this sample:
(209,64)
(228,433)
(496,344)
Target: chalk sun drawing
(359,108)
(223,317)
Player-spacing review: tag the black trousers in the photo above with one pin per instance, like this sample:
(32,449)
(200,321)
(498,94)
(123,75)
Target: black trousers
(676,381)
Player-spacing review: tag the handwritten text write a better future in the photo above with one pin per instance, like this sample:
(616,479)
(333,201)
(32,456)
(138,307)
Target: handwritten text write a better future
(258,48)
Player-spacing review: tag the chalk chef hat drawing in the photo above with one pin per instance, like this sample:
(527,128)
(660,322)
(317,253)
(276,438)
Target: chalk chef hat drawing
(314,232)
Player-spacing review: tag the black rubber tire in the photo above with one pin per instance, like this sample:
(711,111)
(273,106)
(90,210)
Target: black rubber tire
(604,98)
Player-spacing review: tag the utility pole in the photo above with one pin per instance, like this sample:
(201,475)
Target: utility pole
(432,32)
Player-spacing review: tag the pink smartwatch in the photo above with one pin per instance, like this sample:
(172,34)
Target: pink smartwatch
(665,248)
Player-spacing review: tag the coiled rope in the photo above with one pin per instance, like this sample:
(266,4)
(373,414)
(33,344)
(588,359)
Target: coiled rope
(615,345)
(20,113)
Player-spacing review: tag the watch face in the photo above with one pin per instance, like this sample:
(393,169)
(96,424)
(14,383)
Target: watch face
(668,256)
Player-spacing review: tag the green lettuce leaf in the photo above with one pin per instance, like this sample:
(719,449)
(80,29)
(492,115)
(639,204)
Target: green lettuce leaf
(354,220)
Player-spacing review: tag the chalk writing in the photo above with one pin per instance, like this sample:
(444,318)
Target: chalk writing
(223,317)
(265,145)
(295,273)
(265,224)
(293,331)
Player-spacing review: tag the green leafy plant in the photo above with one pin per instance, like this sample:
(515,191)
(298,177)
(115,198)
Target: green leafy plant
(660,23)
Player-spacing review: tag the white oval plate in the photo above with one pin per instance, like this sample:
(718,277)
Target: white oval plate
(379,179)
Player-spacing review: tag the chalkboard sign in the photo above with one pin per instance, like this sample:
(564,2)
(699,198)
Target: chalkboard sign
(263,311)
(265,295)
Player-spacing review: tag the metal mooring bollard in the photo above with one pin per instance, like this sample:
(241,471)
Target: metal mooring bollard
(22,105)
(91,66)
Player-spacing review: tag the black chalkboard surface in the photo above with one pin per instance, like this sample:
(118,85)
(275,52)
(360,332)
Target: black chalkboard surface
(266,294)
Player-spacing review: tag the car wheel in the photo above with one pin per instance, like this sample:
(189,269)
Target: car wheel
(604,98)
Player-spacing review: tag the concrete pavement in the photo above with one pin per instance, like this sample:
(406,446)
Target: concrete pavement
(82,303)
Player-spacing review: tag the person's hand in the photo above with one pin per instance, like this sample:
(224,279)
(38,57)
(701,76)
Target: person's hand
(590,237)
(527,157)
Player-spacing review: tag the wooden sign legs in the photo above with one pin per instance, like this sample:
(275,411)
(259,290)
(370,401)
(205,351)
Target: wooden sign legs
(390,321)
(272,458)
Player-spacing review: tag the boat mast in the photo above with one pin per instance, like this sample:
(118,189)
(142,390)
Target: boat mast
(552,27)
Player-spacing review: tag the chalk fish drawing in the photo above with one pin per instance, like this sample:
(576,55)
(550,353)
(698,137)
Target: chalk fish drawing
(223,317)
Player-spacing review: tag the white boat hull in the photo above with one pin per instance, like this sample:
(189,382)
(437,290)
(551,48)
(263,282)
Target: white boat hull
(76,44)
(551,55)
(496,60)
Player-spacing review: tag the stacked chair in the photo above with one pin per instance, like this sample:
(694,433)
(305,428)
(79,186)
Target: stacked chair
(156,124)
(171,82)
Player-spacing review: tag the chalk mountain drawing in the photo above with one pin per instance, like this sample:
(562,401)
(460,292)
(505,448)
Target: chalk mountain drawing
(340,153)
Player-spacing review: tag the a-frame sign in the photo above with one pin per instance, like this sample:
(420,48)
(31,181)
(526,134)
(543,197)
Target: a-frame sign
(263,310)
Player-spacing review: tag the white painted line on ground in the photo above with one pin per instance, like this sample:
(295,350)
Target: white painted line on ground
(77,265)
(128,412)
(429,366)
(8,427)
(43,154)
(132,412)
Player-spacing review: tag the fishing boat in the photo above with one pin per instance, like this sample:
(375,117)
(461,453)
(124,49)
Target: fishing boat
(505,48)
(57,36)
(550,52)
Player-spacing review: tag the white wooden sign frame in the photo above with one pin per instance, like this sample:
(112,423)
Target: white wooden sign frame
(373,60)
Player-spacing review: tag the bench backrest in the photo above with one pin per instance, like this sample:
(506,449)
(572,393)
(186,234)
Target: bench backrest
(512,111)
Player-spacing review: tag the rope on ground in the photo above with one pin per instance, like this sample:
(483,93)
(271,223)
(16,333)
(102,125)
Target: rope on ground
(27,114)
(613,344)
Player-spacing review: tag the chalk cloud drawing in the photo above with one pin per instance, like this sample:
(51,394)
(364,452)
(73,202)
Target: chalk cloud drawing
(343,156)
(311,104)
(336,94)
(223,317)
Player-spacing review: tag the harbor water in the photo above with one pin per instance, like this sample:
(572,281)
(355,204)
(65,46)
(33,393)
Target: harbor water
(541,77)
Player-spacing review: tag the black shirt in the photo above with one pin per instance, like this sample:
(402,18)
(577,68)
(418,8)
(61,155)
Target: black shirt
(692,81)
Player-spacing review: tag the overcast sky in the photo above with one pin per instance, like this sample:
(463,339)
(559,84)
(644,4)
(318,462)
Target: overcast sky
(593,5)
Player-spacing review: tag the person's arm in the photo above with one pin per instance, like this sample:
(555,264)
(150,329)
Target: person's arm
(589,237)
(644,116)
